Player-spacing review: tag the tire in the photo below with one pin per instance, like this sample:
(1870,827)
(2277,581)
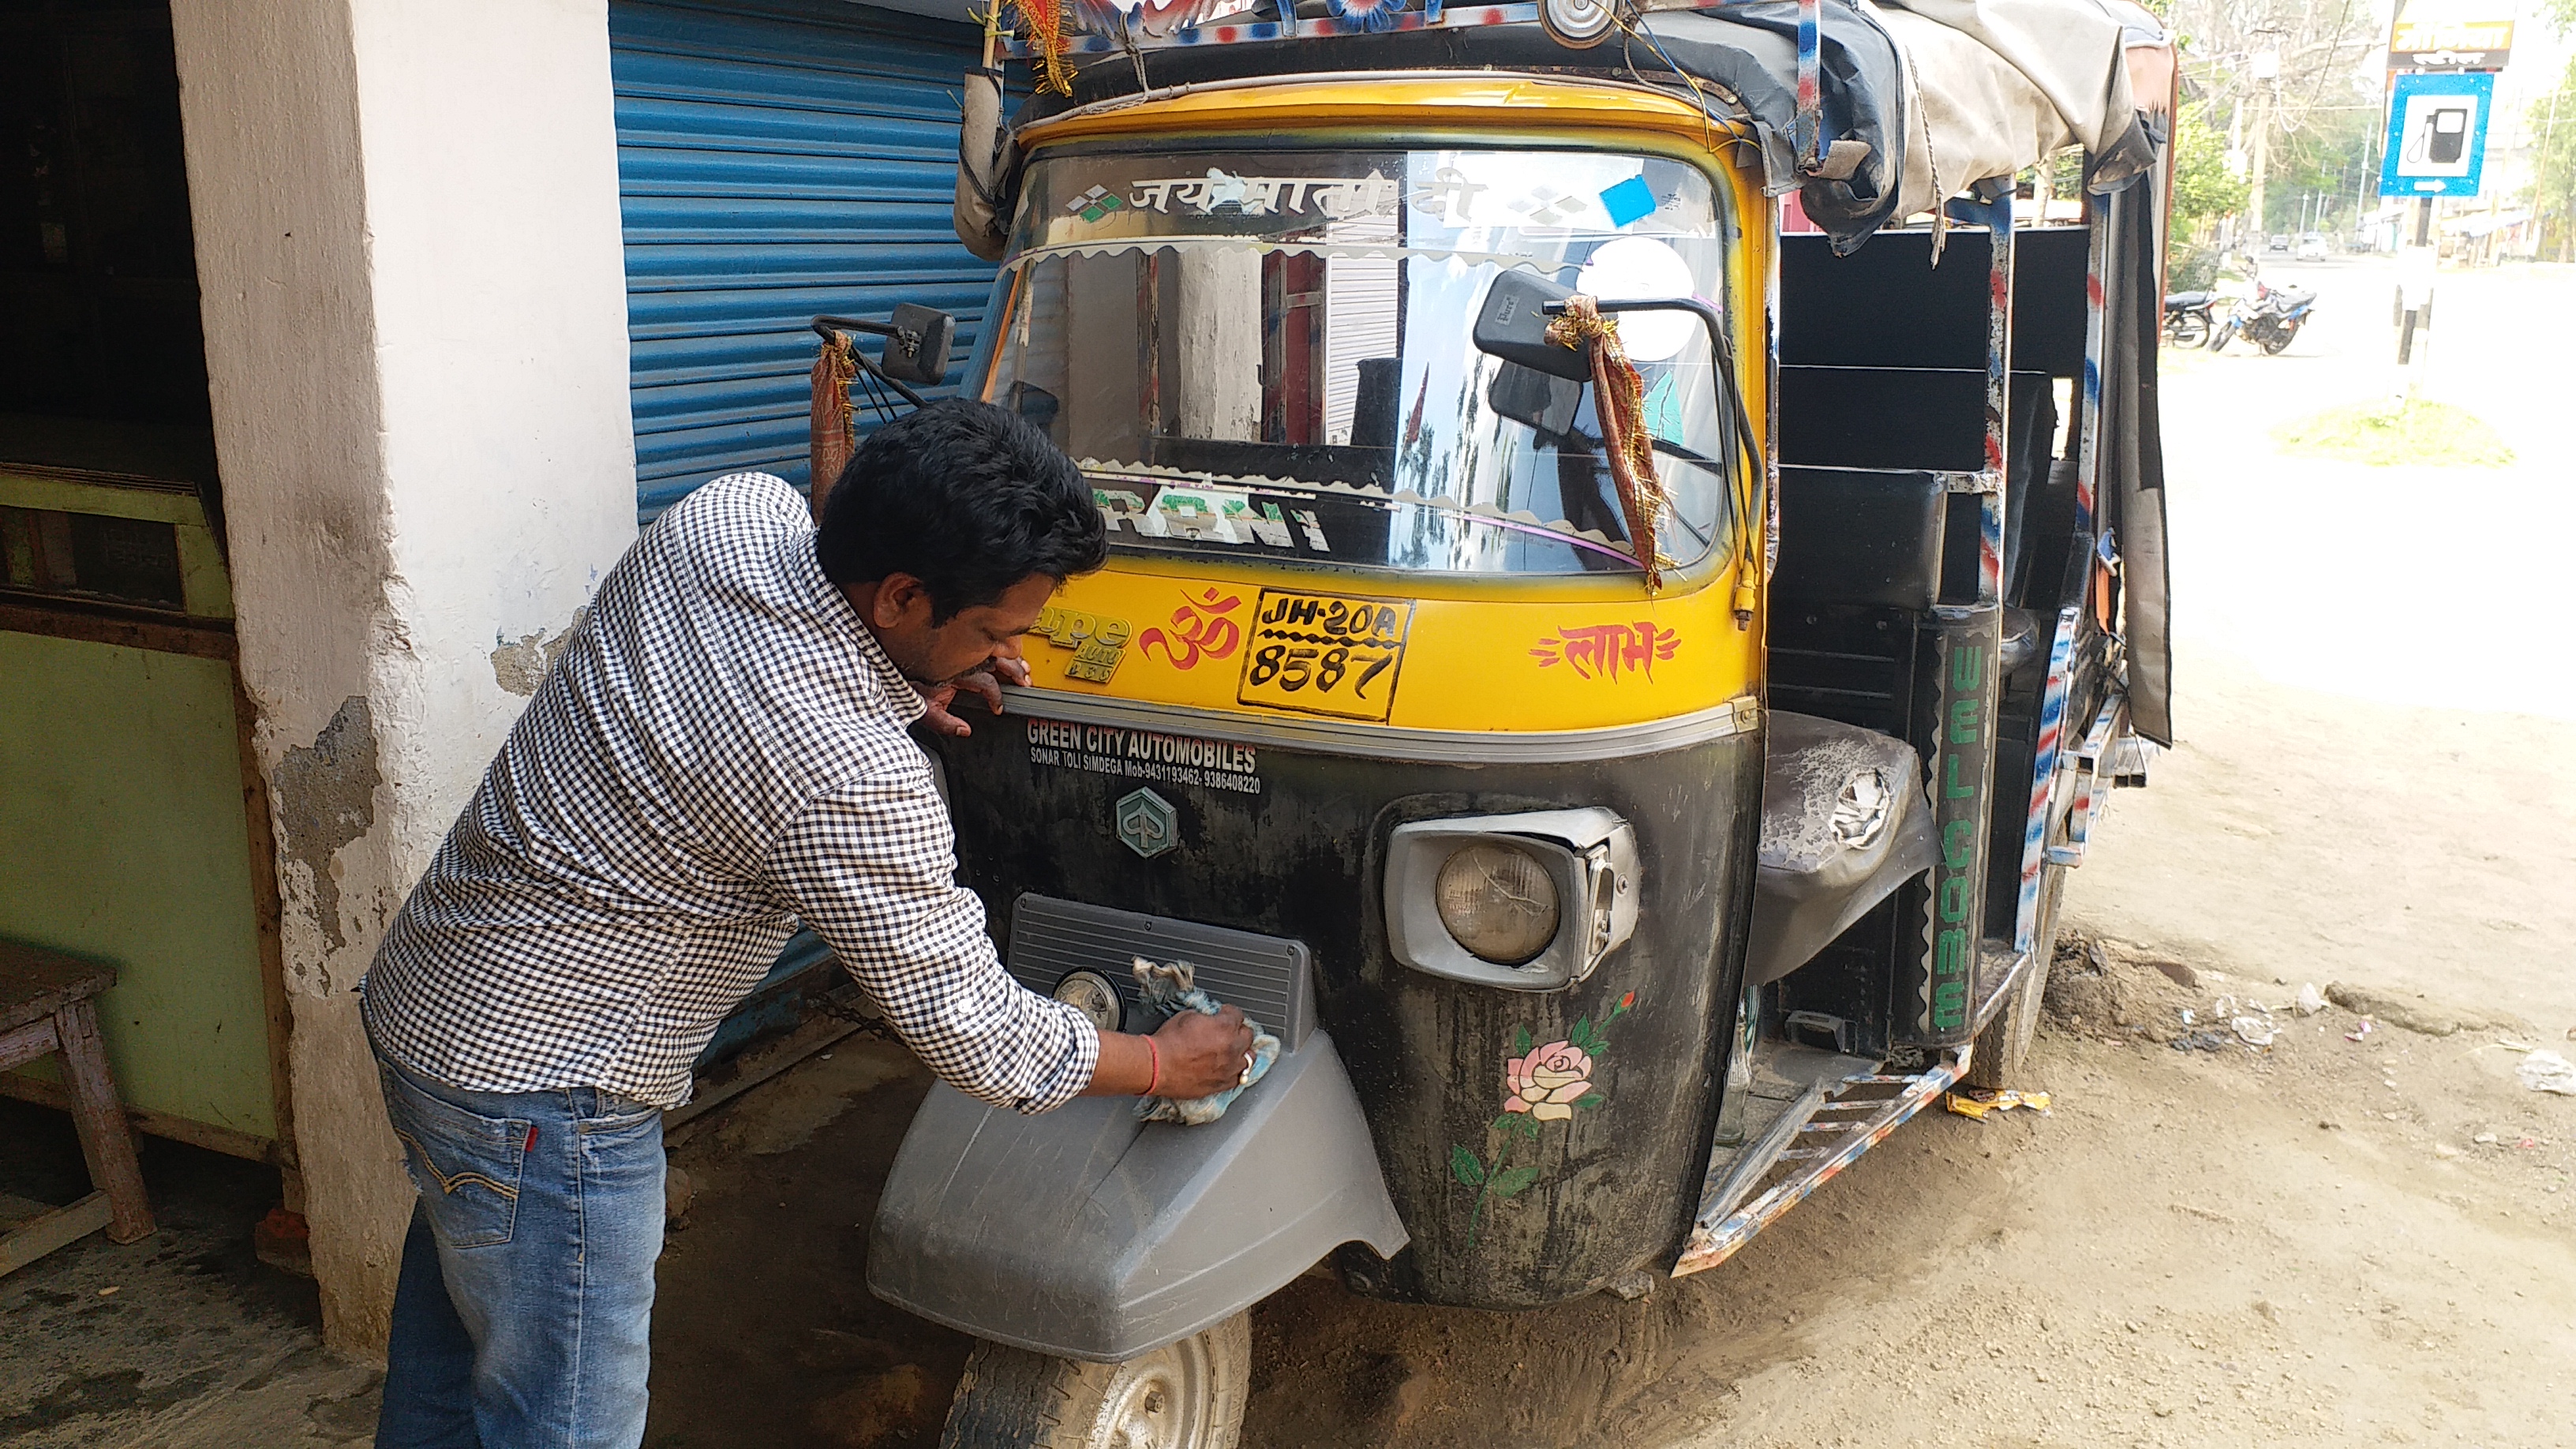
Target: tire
(2276,343)
(2188,330)
(1185,1395)
(2224,334)
(2003,1048)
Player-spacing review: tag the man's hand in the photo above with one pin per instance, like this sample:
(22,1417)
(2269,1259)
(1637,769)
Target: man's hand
(1199,1055)
(982,684)
(1203,1055)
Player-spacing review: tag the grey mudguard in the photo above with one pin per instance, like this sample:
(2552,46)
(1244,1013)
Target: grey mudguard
(1087,1234)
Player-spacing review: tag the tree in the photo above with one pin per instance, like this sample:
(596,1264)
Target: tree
(2327,157)
(2553,192)
(2204,189)
(2271,69)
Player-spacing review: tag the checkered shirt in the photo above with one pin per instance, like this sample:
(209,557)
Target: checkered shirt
(721,750)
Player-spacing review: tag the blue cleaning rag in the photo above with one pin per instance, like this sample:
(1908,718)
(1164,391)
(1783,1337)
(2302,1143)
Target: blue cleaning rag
(1168,989)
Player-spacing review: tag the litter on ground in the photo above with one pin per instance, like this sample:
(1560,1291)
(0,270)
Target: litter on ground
(1977,1102)
(2547,1071)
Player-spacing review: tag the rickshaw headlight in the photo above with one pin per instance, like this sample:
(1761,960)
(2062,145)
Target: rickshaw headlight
(1498,900)
(1090,993)
(1535,900)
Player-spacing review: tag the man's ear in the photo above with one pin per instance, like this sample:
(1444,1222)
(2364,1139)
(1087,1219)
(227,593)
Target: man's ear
(901,600)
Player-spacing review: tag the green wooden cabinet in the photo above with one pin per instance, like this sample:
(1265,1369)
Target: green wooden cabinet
(126,833)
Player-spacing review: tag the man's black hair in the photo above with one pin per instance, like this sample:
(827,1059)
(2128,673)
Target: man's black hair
(968,498)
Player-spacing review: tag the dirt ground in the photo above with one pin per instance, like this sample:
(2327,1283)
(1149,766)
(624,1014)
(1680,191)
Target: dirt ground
(183,1340)
(2328,1242)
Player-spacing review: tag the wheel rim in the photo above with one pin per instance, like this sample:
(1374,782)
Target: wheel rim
(1159,1401)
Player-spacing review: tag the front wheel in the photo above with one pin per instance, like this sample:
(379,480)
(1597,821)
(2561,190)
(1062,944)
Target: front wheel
(2003,1048)
(2224,333)
(1185,1395)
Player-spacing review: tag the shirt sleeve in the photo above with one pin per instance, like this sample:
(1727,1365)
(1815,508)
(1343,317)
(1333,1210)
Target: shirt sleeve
(871,868)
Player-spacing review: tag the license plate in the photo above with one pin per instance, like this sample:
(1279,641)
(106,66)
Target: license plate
(1324,654)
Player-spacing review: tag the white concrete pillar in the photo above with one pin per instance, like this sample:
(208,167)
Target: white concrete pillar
(414,304)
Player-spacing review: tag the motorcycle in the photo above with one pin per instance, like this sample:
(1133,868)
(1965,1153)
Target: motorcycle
(2187,318)
(2271,323)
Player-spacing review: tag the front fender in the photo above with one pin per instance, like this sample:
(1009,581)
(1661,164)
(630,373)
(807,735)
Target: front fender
(1087,1234)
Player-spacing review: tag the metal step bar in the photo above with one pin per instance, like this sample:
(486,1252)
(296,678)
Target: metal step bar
(1824,1130)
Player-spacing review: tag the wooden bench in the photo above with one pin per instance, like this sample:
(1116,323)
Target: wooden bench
(45,1006)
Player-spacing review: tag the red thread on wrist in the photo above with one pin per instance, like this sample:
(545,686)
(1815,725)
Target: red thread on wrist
(1155,1053)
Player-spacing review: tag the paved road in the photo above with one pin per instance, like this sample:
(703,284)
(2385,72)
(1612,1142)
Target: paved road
(2373,691)
(2407,585)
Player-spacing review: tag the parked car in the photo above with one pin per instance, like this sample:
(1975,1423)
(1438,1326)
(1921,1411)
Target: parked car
(2312,247)
(2280,242)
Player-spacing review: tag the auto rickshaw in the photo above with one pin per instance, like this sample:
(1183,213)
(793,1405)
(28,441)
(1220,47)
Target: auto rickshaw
(1607,667)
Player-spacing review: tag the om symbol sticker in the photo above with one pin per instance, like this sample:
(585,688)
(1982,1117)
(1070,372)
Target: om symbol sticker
(1200,630)
(1324,654)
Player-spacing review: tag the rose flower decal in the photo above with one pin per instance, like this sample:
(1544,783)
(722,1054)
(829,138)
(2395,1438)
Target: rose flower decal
(1549,1081)
(1540,1084)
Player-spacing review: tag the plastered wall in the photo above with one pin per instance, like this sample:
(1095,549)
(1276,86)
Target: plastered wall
(408,245)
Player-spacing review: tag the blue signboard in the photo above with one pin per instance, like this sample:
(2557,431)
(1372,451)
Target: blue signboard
(2437,135)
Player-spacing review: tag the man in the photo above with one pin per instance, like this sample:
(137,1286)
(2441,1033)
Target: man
(722,747)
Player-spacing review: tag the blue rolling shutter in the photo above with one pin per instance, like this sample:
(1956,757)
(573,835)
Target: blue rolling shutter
(777,159)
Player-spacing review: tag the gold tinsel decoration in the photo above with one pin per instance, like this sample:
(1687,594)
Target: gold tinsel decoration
(1044,23)
(830,431)
(1618,399)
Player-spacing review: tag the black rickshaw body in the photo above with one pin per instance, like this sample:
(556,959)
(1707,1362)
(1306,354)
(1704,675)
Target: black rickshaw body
(1537,1138)
(1800,777)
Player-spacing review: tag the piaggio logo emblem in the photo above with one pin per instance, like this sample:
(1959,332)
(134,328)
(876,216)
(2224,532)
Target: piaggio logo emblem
(1147,824)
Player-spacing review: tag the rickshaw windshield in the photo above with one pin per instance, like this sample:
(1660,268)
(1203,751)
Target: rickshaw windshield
(1269,353)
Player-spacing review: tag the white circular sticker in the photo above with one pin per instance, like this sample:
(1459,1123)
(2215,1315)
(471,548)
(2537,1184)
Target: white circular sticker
(1642,268)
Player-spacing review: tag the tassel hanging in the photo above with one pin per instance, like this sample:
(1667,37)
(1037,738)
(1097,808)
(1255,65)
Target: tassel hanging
(1044,21)
(831,433)
(1618,396)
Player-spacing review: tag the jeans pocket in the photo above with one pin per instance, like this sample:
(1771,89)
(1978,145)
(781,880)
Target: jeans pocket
(465,1165)
(618,1117)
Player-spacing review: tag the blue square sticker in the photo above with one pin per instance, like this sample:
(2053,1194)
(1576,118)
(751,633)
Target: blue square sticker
(1628,200)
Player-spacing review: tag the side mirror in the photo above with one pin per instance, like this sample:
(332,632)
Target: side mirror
(1529,396)
(1511,324)
(916,348)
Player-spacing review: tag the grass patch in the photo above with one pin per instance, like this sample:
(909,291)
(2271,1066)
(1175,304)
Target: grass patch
(2422,433)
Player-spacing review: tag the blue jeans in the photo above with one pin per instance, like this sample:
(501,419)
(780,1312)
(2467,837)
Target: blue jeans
(523,1316)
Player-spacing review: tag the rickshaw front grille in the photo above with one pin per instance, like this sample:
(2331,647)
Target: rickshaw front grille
(1265,975)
